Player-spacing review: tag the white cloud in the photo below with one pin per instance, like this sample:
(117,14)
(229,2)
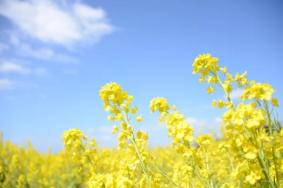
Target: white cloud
(5,84)
(47,30)
(196,122)
(14,66)
(10,67)
(201,126)
(42,53)
(103,135)
(218,120)
(49,22)
(237,93)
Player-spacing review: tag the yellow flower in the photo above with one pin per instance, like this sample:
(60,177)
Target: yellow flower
(248,155)
(212,79)
(205,139)
(139,118)
(73,139)
(245,115)
(258,91)
(210,90)
(159,104)
(241,79)
(275,102)
(227,86)
(252,178)
(115,129)
(134,110)
(218,103)
(204,64)
(112,94)
(223,70)
(250,152)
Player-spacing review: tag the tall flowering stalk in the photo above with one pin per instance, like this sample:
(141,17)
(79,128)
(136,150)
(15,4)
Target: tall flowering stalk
(118,103)
(249,154)
(248,126)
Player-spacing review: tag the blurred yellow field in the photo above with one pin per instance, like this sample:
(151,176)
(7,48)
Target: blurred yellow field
(250,153)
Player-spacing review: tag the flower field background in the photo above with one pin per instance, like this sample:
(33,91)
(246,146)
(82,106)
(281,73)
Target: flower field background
(249,154)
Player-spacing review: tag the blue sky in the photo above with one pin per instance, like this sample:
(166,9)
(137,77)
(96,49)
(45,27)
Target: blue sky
(55,55)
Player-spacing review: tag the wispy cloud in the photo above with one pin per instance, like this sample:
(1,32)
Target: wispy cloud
(10,67)
(46,30)
(15,66)
(51,22)
(102,134)
(5,84)
(237,93)
(41,53)
(201,126)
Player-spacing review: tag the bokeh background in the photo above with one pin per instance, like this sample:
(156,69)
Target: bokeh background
(56,54)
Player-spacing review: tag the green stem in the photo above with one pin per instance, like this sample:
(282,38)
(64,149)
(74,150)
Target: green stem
(264,166)
(268,117)
(210,182)
(140,158)
(270,126)
(133,141)
(227,95)
(165,175)
(277,182)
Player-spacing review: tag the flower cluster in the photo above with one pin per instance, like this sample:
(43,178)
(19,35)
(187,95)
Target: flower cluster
(159,104)
(118,103)
(258,91)
(178,128)
(248,154)
(74,139)
(205,64)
